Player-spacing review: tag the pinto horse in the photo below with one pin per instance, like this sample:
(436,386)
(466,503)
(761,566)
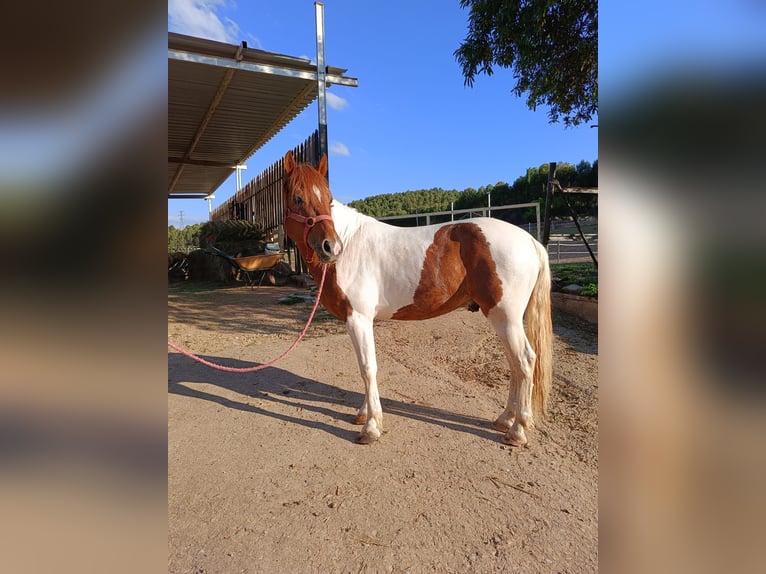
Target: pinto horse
(378,271)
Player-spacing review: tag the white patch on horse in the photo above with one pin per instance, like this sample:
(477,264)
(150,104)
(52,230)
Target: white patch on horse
(317,192)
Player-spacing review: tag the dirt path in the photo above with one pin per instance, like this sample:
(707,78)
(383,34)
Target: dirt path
(264,474)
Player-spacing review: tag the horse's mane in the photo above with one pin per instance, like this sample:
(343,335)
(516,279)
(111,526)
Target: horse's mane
(305,176)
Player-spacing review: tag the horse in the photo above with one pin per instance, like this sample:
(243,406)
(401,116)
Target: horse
(379,271)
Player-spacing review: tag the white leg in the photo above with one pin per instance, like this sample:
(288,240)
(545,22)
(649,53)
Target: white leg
(506,419)
(517,415)
(371,413)
(524,366)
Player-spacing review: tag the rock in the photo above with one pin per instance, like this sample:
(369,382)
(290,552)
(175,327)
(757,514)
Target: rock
(572,289)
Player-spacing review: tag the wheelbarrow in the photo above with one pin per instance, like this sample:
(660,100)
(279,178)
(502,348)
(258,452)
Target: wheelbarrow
(253,266)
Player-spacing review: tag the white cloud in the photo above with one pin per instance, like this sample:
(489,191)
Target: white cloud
(336,102)
(198,18)
(339,148)
(254,42)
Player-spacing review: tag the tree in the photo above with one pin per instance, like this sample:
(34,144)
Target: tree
(551,46)
(184,239)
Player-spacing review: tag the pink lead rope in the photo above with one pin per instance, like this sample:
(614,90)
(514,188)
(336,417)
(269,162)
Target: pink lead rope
(270,363)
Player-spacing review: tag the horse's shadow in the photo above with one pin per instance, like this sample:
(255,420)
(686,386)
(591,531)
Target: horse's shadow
(274,386)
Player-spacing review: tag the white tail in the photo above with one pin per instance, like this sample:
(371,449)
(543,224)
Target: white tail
(540,334)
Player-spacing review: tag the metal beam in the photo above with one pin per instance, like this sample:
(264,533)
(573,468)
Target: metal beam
(583,190)
(232,63)
(201,162)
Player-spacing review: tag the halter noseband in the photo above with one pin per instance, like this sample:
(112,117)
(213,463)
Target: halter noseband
(308,223)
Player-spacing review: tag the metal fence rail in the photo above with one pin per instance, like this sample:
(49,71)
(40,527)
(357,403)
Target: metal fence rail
(566,249)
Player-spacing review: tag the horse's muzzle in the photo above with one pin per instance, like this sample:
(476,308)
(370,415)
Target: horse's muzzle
(329,250)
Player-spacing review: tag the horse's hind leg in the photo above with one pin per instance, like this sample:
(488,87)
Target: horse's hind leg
(371,412)
(517,415)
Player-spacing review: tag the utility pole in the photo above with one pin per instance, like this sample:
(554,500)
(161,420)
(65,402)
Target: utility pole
(181,218)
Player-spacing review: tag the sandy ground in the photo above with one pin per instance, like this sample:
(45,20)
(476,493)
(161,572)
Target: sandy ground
(264,474)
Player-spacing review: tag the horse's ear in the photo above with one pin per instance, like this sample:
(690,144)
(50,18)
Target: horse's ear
(289,162)
(323,165)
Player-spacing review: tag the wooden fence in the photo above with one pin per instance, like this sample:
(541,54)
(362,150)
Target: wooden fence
(260,200)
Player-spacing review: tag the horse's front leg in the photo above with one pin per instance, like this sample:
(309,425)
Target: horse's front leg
(371,413)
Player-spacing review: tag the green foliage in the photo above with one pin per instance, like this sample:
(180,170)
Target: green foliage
(591,290)
(404,203)
(578,273)
(471,198)
(550,45)
(527,188)
(185,239)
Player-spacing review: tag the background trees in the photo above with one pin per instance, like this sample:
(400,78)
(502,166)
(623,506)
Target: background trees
(184,239)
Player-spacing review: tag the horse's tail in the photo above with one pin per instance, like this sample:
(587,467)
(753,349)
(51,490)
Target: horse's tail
(540,334)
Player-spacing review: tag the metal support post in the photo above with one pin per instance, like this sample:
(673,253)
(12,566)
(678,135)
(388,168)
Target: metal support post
(538,231)
(548,200)
(321,80)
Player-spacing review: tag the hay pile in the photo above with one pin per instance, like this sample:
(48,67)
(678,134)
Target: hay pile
(233,237)
(237,238)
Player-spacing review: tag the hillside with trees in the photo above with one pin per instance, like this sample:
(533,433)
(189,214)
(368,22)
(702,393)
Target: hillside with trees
(184,239)
(527,188)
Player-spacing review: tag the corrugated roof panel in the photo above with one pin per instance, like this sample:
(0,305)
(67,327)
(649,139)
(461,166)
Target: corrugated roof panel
(220,111)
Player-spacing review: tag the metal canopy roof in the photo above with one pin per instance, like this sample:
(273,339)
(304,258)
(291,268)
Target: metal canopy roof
(225,102)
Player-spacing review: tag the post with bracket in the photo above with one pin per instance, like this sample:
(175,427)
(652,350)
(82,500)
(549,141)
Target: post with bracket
(548,201)
(321,81)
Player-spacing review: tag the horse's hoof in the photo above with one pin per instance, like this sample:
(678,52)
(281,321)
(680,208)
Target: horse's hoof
(366,438)
(360,419)
(515,437)
(501,426)
(368,435)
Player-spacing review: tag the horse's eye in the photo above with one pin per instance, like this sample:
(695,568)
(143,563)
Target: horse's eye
(298,200)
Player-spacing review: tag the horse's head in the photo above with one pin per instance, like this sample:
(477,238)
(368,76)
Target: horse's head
(306,197)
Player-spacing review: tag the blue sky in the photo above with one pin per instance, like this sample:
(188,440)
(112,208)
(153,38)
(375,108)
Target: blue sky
(411,123)
(641,41)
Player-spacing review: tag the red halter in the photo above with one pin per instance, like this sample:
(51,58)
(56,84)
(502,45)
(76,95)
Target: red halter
(308,223)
